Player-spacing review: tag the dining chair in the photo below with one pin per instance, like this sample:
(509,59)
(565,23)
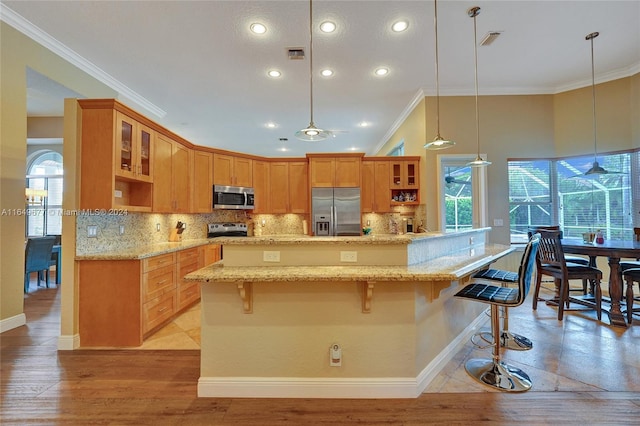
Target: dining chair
(551,261)
(577,260)
(55,254)
(494,372)
(37,259)
(631,275)
(631,264)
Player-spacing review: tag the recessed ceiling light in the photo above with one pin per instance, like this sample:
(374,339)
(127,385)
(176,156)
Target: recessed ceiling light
(364,124)
(258,28)
(327,27)
(271,125)
(274,73)
(400,26)
(381,71)
(283,149)
(326,73)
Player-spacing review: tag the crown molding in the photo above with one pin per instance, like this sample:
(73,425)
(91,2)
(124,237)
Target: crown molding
(417,98)
(41,37)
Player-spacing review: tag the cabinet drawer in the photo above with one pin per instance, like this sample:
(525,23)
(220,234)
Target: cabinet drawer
(186,268)
(157,311)
(188,293)
(188,255)
(158,281)
(155,262)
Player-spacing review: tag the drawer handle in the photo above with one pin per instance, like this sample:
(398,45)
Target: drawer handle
(161,310)
(162,282)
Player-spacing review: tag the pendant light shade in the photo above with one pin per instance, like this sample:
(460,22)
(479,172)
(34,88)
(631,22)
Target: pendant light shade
(479,161)
(438,142)
(595,169)
(311,132)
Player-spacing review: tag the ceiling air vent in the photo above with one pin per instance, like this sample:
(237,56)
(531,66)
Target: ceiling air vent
(489,38)
(295,52)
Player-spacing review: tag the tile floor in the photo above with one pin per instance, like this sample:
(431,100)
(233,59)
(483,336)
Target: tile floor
(576,354)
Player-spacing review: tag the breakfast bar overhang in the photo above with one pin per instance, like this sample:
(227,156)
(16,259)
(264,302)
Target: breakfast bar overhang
(267,326)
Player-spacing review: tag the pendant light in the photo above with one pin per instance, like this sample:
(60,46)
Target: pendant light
(311,132)
(479,161)
(595,169)
(439,142)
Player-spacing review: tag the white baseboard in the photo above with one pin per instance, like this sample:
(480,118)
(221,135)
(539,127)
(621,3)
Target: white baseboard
(303,387)
(12,322)
(68,342)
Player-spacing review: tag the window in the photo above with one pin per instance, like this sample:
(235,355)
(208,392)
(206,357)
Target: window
(548,192)
(45,216)
(397,150)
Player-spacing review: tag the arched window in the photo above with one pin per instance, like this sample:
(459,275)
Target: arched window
(44,213)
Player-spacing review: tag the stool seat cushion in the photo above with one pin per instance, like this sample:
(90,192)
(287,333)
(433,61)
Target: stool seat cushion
(632,273)
(490,293)
(497,275)
(624,265)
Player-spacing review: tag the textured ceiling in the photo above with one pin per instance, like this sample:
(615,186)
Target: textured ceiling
(197,62)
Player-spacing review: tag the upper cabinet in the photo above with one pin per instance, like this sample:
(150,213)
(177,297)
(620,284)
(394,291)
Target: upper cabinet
(172,187)
(405,180)
(290,192)
(133,149)
(261,186)
(232,170)
(116,158)
(375,194)
(332,170)
(202,193)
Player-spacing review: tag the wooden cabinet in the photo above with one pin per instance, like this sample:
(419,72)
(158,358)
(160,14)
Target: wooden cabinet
(329,170)
(123,301)
(405,180)
(133,146)
(232,170)
(375,194)
(290,191)
(172,187)
(261,186)
(116,159)
(202,193)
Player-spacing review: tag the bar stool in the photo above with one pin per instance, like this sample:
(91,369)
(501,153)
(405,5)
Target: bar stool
(494,372)
(631,276)
(508,340)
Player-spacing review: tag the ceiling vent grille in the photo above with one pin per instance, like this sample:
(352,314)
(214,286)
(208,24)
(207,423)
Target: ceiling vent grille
(295,52)
(490,37)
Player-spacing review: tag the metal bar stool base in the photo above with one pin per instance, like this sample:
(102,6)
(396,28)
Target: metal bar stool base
(498,375)
(517,342)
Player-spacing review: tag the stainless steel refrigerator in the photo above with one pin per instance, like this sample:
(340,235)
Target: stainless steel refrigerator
(335,211)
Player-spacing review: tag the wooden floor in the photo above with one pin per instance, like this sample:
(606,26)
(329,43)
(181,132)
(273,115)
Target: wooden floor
(40,385)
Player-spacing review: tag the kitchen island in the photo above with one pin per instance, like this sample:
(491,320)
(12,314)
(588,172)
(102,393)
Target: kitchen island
(275,306)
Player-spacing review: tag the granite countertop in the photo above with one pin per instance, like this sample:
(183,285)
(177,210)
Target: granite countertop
(146,251)
(445,268)
(374,239)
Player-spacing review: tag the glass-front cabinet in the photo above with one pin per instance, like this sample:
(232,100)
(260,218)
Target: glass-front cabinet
(405,181)
(133,145)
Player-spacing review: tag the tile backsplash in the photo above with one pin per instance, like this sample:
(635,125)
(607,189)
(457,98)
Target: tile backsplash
(142,228)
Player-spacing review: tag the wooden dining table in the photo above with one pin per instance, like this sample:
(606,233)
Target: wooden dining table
(614,250)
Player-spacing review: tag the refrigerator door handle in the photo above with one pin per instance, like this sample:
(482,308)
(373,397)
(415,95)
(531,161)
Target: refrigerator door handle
(334,220)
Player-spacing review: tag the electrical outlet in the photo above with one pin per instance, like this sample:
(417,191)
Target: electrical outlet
(92,231)
(121,229)
(335,355)
(158,227)
(271,256)
(348,256)
(498,222)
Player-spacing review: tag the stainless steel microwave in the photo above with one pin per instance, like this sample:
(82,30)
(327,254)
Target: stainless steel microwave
(232,197)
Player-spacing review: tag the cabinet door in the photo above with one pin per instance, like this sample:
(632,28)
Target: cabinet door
(222,169)
(299,187)
(261,186)
(279,172)
(322,172)
(181,178)
(202,182)
(125,146)
(367,187)
(162,185)
(404,174)
(381,190)
(144,153)
(243,171)
(347,172)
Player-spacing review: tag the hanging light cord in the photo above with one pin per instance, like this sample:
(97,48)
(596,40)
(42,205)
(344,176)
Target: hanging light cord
(593,96)
(475,12)
(435,25)
(311,59)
